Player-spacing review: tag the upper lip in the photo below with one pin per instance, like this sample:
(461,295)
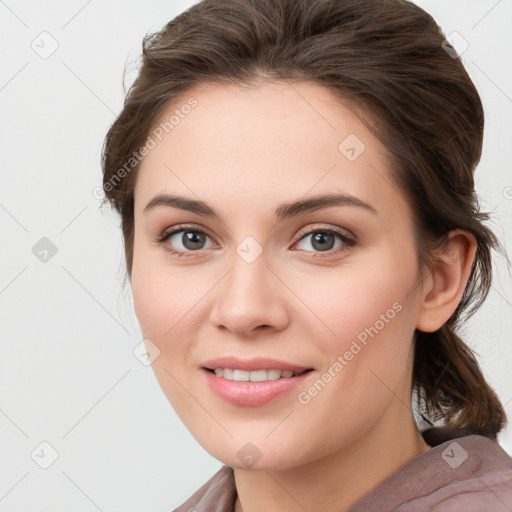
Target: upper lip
(256,363)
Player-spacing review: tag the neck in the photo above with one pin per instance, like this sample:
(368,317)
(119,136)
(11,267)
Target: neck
(336,482)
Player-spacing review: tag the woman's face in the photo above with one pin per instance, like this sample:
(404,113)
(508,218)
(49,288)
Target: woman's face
(330,286)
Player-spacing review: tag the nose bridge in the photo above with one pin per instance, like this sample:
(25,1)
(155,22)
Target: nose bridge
(248,278)
(249,295)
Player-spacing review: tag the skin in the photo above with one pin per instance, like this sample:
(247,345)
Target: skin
(245,151)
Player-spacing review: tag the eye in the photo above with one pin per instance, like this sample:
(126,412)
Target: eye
(185,239)
(325,241)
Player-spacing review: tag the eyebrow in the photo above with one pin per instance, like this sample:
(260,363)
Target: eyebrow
(284,211)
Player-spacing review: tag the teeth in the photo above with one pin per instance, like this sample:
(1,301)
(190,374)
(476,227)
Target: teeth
(254,376)
(275,374)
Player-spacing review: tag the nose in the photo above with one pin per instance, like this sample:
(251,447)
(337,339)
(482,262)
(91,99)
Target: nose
(250,299)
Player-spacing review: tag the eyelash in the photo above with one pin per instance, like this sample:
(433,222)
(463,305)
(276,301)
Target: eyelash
(347,241)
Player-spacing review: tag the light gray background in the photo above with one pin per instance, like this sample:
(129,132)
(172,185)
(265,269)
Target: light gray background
(68,373)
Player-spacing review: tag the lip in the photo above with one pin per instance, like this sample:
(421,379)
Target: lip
(256,363)
(252,394)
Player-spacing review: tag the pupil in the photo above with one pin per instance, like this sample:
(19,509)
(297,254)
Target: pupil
(323,241)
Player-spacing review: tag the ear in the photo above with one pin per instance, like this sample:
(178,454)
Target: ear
(445,285)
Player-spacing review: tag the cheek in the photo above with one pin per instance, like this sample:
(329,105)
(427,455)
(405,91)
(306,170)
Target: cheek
(164,305)
(360,297)
(366,320)
(163,296)
(366,350)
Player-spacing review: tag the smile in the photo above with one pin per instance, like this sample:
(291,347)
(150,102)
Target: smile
(254,388)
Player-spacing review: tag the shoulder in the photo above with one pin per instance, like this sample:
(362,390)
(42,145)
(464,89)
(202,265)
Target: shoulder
(218,494)
(471,473)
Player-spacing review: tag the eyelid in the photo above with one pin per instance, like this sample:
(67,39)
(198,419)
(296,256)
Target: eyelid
(344,233)
(167,233)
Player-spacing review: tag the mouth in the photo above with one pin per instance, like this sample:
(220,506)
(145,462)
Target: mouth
(256,381)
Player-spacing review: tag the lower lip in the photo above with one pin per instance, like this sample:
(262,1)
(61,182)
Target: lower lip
(253,393)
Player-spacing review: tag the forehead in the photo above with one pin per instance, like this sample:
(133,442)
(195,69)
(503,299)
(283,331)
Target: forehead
(261,143)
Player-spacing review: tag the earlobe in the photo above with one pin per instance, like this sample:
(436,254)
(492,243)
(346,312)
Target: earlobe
(450,272)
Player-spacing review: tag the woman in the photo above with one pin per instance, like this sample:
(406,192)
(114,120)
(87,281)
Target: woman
(302,239)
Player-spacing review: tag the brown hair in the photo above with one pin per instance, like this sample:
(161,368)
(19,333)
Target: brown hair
(389,58)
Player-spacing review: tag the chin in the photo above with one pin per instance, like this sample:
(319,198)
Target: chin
(259,454)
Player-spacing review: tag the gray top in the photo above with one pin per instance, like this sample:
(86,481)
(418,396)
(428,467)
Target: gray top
(470,474)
